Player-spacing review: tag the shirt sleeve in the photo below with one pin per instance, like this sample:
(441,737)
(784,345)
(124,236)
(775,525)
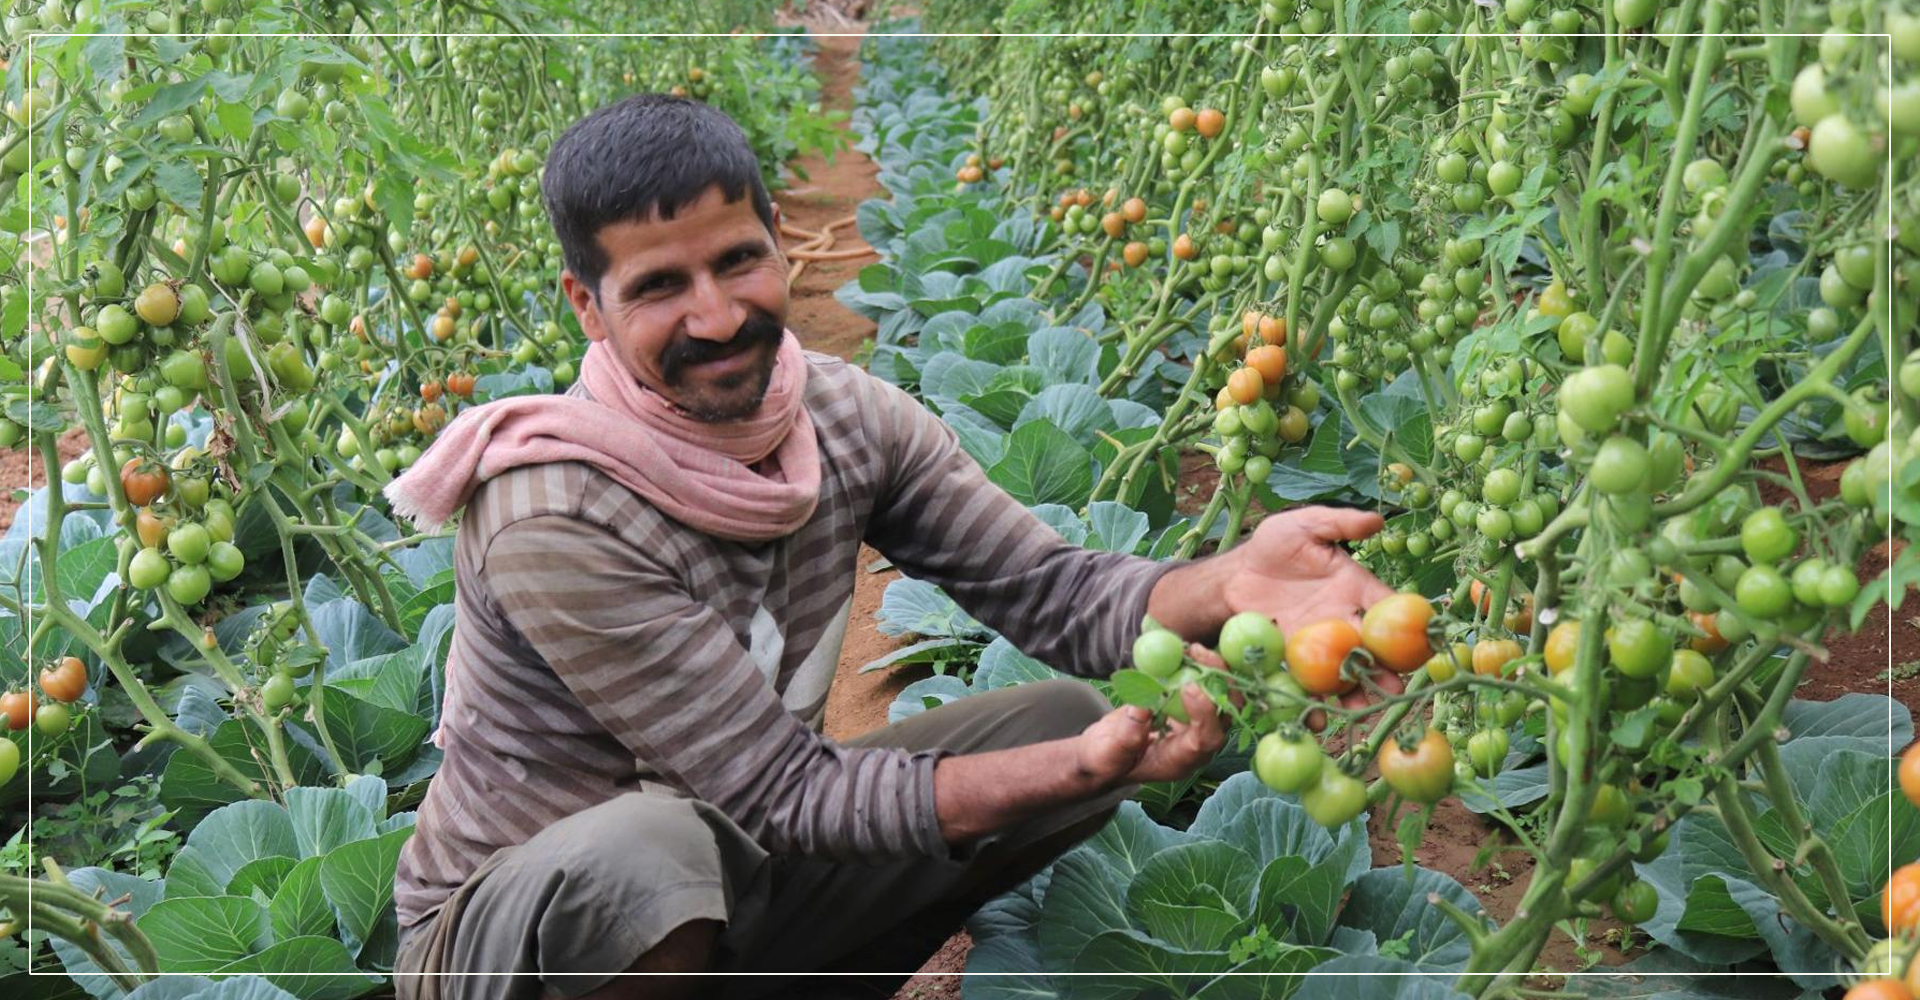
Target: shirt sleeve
(940,519)
(666,676)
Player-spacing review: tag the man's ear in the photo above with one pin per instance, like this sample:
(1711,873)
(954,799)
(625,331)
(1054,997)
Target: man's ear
(580,297)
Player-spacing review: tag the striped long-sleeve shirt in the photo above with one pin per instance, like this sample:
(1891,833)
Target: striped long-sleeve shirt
(602,647)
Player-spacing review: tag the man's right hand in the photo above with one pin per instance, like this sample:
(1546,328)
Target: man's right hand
(1123,748)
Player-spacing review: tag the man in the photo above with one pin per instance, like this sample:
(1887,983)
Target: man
(655,573)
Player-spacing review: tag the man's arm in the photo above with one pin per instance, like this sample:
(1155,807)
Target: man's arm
(665,676)
(940,519)
(979,793)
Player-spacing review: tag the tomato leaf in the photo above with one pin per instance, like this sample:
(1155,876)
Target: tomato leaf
(1131,687)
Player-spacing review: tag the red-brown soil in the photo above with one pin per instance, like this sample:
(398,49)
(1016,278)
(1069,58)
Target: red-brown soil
(21,468)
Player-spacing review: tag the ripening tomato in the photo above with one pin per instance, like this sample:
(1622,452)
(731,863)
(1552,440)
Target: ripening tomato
(1710,641)
(142,481)
(1394,630)
(18,707)
(1316,652)
(1563,643)
(1270,360)
(1900,900)
(1491,655)
(1444,665)
(1910,774)
(1879,989)
(65,680)
(1420,772)
(1245,385)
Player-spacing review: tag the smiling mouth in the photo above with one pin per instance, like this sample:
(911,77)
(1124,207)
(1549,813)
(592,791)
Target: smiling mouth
(732,364)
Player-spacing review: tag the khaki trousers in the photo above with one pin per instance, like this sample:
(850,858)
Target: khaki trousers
(586,897)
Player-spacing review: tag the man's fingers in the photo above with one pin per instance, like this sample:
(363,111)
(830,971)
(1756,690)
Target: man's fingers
(1334,524)
(1205,657)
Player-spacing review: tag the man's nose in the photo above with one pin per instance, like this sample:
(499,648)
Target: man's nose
(711,313)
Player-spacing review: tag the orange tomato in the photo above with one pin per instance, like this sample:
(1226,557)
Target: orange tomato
(1270,361)
(1245,385)
(1114,224)
(1900,901)
(1879,989)
(65,680)
(1910,776)
(1183,247)
(1394,630)
(1315,653)
(1181,119)
(1711,642)
(18,707)
(1562,643)
(1490,655)
(1209,122)
(1135,253)
(1134,210)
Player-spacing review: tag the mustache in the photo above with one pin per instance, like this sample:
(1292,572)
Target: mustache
(759,330)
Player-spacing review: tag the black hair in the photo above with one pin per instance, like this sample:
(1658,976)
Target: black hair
(646,155)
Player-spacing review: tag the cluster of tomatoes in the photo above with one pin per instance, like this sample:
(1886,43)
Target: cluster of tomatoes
(401,432)
(1891,970)
(63,682)
(1256,410)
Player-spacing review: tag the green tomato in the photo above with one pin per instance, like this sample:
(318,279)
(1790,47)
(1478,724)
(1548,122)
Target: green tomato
(225,561)
(277,692)
(116,325)
(1763,592)
(189,584)
(1839,151)
(9,760)
(1251,643)
(1334,207)
(1689,674)
(1638,648)
(1838,586)
(1158,653)
(184,369)
(218,519)
(1335,799)
(148,569)
(1620,466)
(1288,764)
(1502,486)
(1595,397)
(1487,751)
(1766,537)
(1635,903)
(189,543)
(52,719)
(1866,421)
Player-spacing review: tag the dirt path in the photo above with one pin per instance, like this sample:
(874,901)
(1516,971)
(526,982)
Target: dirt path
(832,191)
(22,468)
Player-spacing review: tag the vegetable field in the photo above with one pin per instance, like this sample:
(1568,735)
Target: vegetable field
(1609,308)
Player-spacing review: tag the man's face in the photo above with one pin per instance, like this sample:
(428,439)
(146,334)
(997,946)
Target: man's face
(694,306)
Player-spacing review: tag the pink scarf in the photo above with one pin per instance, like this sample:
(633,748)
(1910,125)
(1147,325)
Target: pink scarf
(695,472)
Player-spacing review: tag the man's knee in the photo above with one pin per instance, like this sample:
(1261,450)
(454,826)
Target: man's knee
(1061,707)
(639,878)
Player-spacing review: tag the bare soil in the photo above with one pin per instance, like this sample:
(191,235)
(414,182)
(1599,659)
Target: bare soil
(21,468)
(832,190)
